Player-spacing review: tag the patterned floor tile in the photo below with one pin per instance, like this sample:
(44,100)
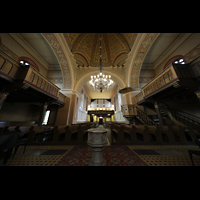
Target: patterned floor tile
(123,155)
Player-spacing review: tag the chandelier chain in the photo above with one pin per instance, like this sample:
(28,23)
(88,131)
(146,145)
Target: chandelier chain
(101,81)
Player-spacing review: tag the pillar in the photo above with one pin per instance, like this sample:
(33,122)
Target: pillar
(3,96)
(197,94)
(62,114)
(158,113)
(43,113)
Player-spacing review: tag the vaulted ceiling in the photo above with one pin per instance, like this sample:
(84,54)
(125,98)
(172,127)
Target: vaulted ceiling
(115,48)
(69,59)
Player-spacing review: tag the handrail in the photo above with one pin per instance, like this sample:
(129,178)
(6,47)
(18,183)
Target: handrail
(183,117)
(35,79)
(8,67)
(11,70)
(145,117)
(167,77)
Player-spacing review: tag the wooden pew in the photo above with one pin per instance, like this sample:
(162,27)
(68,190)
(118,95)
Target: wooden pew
(82,133)
(36,135)
(167,135)
(154,134)
(142,136)
(72,134)
(117,134)
(127,131)
(59,134)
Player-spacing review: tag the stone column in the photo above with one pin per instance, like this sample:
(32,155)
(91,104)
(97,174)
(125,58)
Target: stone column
(3,96)
(197,94)
(43,114)
(158,113)
(97,139)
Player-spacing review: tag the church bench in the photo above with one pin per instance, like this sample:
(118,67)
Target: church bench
(127,130)
(178,133)
(59,133)
(72,134)
(154,134)
(142,136)
(138,134)
(173,135)
(8,141)
(83,133)
(36,135)
(167,136)
(117,134)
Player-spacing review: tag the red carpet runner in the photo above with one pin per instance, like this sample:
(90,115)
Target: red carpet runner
(117,155)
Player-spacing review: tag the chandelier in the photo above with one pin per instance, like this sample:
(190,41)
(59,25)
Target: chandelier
(101,81)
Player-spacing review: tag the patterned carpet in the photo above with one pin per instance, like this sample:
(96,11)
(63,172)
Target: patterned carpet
(119,155)
(115,155)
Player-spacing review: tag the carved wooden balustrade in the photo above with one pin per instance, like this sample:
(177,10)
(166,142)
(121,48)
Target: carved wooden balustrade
(174,75)
(163,80)
(11,71)
(8,67)
(32,78)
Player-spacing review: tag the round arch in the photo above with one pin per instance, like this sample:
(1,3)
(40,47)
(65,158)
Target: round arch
(117,79)
(67,74)
(32,63)
(171,60)
(142,46)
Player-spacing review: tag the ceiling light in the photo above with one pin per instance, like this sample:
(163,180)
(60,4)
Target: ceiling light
(101,82)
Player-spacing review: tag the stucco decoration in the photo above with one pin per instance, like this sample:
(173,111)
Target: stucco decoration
(85,47)
(51,39)
(141,53)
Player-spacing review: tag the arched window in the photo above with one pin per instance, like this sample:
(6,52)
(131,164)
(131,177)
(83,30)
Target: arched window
(24,61)
(179,59)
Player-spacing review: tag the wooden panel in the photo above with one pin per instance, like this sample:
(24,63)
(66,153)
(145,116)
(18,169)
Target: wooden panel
(14,71)
(1,62)
(39,82)
(7,67)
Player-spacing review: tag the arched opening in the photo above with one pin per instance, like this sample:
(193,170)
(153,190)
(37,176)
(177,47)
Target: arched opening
(178,59)
(24,61)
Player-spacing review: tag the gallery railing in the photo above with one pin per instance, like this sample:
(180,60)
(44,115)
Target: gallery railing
(174,75)
(8,67)
(12,71)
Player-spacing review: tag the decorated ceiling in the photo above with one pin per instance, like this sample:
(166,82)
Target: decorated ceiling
(115,48)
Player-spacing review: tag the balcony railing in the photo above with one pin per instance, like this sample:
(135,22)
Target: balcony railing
(61,97)
(36,80)
(8,67)
(12,71)
(166,78)
(173,75)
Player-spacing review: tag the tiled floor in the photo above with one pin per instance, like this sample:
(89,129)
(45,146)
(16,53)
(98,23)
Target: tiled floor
(38,156)
(166,155)
(153,155)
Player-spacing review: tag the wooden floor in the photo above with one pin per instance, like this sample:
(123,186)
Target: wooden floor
(152,155)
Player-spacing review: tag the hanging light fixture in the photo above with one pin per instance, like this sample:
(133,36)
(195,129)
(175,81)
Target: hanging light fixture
(101,81)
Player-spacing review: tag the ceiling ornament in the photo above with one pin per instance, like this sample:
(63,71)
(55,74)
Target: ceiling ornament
(140,56)
(55,45)
(101,81)
(115,48)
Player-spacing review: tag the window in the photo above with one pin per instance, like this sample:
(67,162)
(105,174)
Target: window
(46,117)
(179,61)
(24,63)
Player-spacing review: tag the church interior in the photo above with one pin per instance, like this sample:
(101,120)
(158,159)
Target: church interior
(143,88)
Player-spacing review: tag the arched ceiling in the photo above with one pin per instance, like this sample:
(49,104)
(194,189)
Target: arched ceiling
(115,48)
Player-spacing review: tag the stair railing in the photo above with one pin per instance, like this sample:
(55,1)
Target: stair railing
(145,118)
(183,117)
